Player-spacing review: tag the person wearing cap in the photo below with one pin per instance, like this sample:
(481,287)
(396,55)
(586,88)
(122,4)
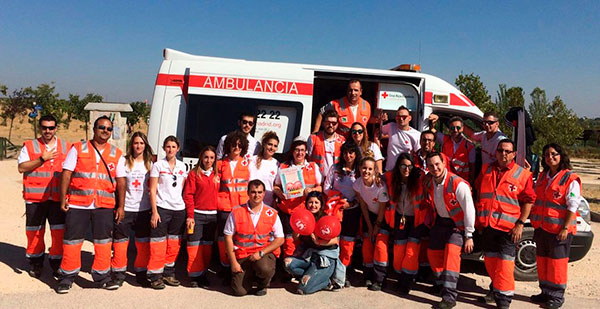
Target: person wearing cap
(245,123)
(252,232)
(88,196)
(324,146)
(40,161)
(351,108)
(296,158)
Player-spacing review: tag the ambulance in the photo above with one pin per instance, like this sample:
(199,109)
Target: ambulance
(200,98)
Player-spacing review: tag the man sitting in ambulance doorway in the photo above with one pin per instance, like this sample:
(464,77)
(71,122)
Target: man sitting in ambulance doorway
(245,123)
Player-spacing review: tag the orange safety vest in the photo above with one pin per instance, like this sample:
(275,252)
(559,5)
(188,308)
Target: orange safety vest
(310,181)
(452,205)
(550,209)
(247,238)
(43,183)
(318,151)
(233,190)
(420,207)
(459,160)
(346,118)
(498,205)
(90,181)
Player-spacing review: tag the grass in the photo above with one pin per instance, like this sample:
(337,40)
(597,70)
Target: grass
(592,195)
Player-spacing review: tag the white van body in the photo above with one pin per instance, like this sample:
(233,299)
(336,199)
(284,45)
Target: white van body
(199,99)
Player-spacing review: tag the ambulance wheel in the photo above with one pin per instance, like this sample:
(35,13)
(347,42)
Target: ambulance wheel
(525,262)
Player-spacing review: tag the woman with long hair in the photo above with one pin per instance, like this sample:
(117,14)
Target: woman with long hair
(264,166)
(367,148)
(233,175)
(168,215)
(134,201)
(338,187)
(312,181)
(315,259)
(200,197)
(558,194)
(405,213)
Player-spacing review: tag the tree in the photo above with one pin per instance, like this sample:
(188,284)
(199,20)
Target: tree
(475,90)
(16,105)
(45,96)
(141,111)
(76,109)
(3,89)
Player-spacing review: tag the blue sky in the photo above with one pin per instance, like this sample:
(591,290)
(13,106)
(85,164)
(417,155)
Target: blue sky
(115,48)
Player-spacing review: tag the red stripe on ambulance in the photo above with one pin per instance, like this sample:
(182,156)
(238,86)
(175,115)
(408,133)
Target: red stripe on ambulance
(235,83)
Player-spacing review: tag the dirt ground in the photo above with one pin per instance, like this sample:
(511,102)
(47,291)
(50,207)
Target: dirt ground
(17,289)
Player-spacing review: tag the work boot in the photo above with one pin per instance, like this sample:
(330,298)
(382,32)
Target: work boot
(487,299)
(170,280)
(445,305)
(35,271)
(261,292)
(63,288)
(157,284)
(376,286)
(539,298)
(553,304)
(109,284)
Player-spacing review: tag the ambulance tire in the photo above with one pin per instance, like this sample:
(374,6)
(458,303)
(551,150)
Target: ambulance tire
(525,258)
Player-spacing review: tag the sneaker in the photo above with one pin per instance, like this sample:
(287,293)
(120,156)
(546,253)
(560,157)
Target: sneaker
(261,292)
(56,274)
(333,287)
(445,305)
(487,299)
(539,298)
(63,288)
(368,283)
(300,292)
(347,283)
(376,286)
(170,280)
(203,282)
(157,284)
(35,271)
(110,285)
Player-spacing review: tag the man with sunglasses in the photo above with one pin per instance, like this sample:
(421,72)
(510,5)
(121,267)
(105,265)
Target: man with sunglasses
(457,148)
(489,137)
(402,138)
(427,142)
(351,108)
(88,193)
(505,198)
(40,161)
(324,146)
(245,123)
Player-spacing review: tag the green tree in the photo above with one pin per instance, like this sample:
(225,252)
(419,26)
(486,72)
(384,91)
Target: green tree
(3,89)
(15,105)
(472,86)
(141,112)
(45,96)
(76,109)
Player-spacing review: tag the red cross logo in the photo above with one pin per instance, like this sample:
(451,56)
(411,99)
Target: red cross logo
(384,95)
(180,172)
(453,202)
(245,162)
(136,183)
(273,173)
(111,166)
(512,188)
(406,142)
(557,195)
(269,212)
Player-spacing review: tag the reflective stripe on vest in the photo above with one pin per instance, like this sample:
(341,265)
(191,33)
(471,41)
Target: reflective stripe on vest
(247,238)
(452,205)
(43,183)
(550,209)
(233,189)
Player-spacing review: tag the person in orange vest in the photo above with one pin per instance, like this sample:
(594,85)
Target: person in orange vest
(427,142)
(342,200)
(134,209)
(323,147)
(351,108)
(252,232)
(360,136)
(406,213)
(200,197)
(233,174)
(372,198)
(457,148)
(505,197)
(87,195)
(40,161)
(450,197)
(312,181)
(558,194)
(168,215)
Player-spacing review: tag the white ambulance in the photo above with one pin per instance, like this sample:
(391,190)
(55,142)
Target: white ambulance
(199,99)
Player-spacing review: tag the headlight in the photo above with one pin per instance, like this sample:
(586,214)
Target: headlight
(584,210)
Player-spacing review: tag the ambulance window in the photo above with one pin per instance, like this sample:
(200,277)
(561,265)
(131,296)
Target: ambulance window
(210,117)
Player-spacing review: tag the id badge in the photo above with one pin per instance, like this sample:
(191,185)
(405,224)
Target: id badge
(402,223)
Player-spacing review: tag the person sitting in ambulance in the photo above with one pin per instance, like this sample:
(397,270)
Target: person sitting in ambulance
(252,232)
(558,194)
(351,108)
(246,123)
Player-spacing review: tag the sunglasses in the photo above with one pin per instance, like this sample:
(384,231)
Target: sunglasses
(551,154)
(237,145)
(174,181)
(103,127)
(404,167)
(490,122)
(428,140)
(402,116)
(44,128)
(359,131)
(250,123)
(331,123)
(504,151)
(455,128)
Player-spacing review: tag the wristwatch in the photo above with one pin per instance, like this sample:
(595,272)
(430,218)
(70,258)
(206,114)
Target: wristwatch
(519,221)
(261,253)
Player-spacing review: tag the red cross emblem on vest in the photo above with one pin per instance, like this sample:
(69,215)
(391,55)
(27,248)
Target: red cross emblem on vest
(111,166)
(454,202)
(245,162)
(512,188)
(136,183)
(269,212)
(557,195)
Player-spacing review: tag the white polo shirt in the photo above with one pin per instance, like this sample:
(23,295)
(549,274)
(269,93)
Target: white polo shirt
(137,195)
(399,141)
(266,173)
(168,196)
(372,195)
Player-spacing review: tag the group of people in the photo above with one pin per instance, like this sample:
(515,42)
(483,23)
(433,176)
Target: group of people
(417,208)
